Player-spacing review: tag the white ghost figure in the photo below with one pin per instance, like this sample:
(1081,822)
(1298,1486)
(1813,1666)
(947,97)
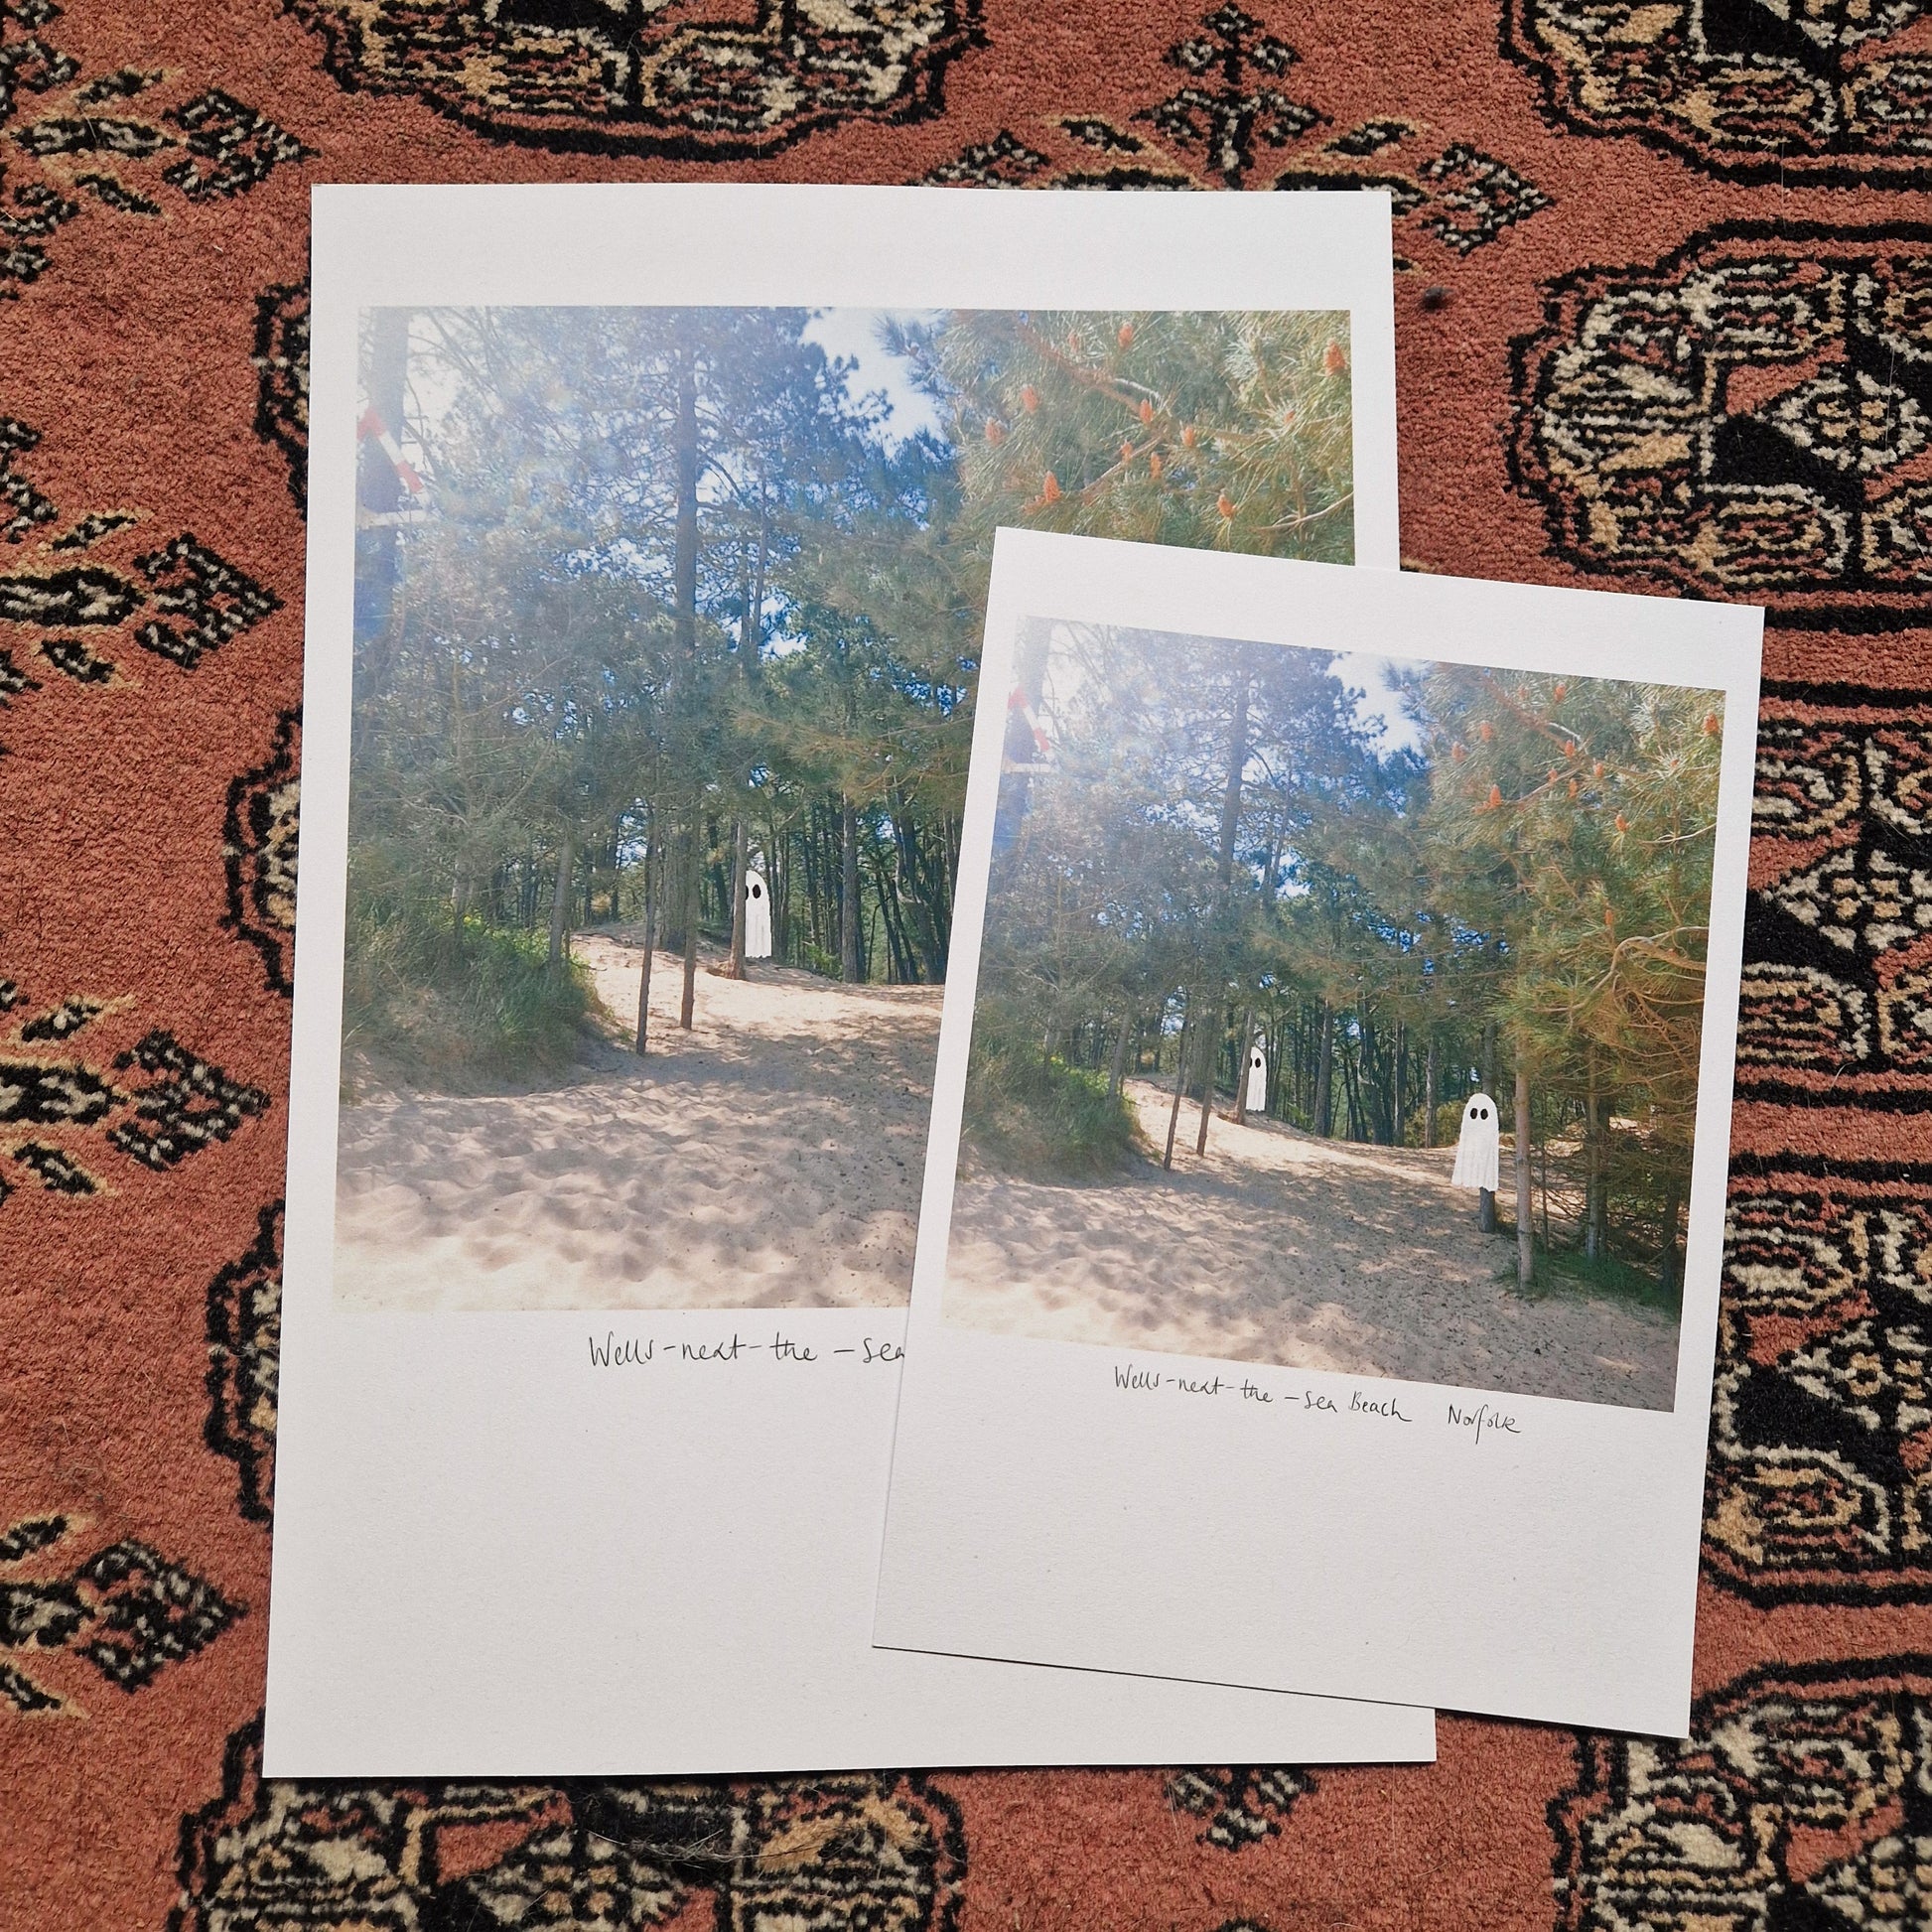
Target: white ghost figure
(1257,1101)
(1476,1147)
(758,917)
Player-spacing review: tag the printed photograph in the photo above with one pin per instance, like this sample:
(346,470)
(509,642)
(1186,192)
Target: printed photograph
(1339,1013)
(666,629)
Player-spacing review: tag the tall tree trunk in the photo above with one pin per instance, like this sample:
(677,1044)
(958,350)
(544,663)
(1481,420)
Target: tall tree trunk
(850,961)
(688,999)
(1237,763)
(1374,1088)
(378,489)
(1351,1087)
(1489,1060)
(1525,1233)
(1207,1051)
(650,944)
(740,852)
(1181,1051)
(751,643)
(684,548)
(1244,1047)
(1325,1076)
(684,631)
(1669,1278)
(1432,1075)
(560,904)
(1117,1073)
(1205,1045)
(1543,1184)
(1596,1229)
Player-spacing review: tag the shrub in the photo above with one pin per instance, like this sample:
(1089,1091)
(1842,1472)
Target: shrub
(1030,1114)
(457,1003)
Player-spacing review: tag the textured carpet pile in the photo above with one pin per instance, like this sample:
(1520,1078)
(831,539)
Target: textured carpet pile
(1664,317)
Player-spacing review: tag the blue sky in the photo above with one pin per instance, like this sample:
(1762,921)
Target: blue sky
(1378,710)
(854,333)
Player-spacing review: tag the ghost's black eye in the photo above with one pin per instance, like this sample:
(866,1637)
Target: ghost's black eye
(1482,1113)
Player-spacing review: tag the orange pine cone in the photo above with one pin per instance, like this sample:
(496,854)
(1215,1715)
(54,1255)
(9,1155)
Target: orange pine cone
(1569,748)
(1147,410)
(1485,731)
(1126,336)
(1609,915)
(1710,724)
(1127,453)
(1029,399)
(1596,769)
(1496,797)
(1050,491)
(1333,358)
(1187,437)
(1622,823)
(1573,787)
(1559,693)
(1153,465)
(1458,754)
(1225,504)
(996,432)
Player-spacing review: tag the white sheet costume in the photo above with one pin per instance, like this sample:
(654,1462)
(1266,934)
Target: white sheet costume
(1257,1101)
(758,917)
(1477,1146)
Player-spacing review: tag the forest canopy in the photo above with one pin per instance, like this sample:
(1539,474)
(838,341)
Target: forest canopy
(1447,879)
(646,598)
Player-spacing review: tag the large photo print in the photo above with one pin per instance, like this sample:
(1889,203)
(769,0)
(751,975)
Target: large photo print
(666,626)
(1340,1013)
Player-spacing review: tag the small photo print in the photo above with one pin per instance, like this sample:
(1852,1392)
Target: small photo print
(666,625)
(1340,1013)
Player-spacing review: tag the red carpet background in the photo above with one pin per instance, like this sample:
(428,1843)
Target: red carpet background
(1664,320)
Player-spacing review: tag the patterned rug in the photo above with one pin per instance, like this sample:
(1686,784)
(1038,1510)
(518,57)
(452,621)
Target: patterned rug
(1664,312)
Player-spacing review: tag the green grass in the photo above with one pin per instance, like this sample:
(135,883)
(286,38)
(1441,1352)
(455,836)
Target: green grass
(1028,1113)
(459,1006)
(1569,1271)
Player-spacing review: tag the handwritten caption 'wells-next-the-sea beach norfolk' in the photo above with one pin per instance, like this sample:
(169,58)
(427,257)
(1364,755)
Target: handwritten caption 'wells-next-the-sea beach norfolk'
(648,1351)
(1480,1421)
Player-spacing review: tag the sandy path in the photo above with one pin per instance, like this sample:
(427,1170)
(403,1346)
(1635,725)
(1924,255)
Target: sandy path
(770,1158)
(1287,1249)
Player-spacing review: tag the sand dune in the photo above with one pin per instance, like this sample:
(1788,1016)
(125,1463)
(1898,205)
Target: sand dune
(1283,1248)
(773,1156)
(769,1158)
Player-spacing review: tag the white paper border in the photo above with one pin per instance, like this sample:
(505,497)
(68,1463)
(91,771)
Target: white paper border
(983,1559)
(463,1584)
